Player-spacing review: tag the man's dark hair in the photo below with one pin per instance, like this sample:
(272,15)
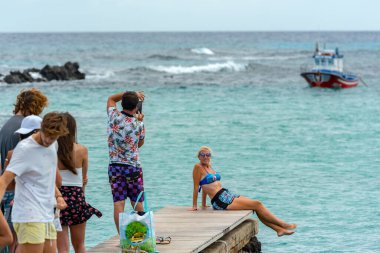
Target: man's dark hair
(129,100)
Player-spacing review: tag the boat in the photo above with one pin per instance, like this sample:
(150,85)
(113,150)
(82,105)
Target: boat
(327,71)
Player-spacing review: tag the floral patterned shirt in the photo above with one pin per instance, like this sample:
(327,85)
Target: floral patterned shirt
(124,134)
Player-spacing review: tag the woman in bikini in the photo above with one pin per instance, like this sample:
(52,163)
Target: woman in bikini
(73,165)
(207,180)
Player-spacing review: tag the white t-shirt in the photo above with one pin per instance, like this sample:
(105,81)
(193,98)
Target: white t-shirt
(35,168)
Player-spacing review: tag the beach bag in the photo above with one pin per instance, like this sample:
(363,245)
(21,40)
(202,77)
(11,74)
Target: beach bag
(137,230)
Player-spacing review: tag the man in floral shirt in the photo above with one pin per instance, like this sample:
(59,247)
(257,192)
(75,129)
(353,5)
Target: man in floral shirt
(126,135)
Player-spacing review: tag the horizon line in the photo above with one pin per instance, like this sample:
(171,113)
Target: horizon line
(196,31)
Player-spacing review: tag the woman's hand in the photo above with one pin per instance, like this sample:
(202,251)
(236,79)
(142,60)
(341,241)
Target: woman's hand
(85,181)
(61,203)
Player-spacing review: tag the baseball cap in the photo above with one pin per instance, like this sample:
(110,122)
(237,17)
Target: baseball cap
(29,124)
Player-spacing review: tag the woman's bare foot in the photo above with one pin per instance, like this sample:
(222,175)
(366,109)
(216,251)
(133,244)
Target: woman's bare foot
(290,226)
(284,232)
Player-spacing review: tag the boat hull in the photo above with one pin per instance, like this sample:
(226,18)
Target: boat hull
(330,80)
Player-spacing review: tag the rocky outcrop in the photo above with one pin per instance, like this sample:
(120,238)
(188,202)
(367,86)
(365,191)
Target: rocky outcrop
(69,71)
(254,246)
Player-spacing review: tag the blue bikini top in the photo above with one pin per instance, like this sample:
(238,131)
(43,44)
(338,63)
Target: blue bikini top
(208,179)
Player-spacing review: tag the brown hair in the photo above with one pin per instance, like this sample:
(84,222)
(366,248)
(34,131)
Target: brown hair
(54,124)
(129,100)
(30,102)
(66,144)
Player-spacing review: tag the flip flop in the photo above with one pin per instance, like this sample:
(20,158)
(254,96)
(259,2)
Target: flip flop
(163,240)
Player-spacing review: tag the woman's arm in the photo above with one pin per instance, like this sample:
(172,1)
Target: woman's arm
(204,196)
(84,166)
(196,180)
(5,232)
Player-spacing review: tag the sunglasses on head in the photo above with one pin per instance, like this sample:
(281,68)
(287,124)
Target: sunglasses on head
(205,154)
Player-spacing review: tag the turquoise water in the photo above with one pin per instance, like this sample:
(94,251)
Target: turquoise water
(310,155)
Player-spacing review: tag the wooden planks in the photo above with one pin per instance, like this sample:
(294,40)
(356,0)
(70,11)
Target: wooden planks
(190,231)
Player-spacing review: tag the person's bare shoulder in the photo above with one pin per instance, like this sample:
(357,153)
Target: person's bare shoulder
(81,149)
(197,167)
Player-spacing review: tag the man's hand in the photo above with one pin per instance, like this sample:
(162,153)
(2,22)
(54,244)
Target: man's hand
(139,116)
(140,95)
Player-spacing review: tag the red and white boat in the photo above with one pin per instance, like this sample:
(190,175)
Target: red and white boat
(327,71)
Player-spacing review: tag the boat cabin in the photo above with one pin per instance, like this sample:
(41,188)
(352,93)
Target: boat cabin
(327,59)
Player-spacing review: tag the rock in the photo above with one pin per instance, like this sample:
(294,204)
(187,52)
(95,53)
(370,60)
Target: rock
(254,246)
(69,71)
(18,77)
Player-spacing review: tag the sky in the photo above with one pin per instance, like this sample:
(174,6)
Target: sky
(188,15)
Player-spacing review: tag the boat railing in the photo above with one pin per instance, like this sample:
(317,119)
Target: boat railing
(310,67)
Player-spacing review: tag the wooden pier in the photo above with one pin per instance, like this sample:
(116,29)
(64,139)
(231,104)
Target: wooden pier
(195,231)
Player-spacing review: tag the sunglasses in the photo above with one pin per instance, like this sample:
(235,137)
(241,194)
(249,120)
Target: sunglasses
(205,154)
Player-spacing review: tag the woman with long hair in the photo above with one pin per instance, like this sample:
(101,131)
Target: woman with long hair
(73,167)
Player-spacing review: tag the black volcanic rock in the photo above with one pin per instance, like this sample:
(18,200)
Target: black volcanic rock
(69,71)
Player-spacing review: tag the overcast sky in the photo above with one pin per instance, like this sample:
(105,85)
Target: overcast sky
(188,15)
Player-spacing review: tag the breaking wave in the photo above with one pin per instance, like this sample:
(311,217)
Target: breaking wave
(215,67)
(202,50)
(96,76)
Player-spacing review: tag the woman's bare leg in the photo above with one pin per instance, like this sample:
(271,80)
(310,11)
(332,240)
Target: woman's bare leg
(78,233)
(279,230)
(244,203)
(63,240)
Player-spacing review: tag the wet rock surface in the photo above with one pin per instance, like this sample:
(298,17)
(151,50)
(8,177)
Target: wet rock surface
(69,71)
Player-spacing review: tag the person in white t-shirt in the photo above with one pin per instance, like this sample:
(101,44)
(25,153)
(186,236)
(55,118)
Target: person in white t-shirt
(33,166)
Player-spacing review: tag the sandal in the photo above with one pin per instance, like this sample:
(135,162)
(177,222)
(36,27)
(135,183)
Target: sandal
(163,240)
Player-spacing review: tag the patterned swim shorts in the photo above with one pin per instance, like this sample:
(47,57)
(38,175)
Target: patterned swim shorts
(7,199)
(222,199)
(126,182)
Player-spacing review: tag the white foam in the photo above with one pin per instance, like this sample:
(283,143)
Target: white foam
(95,76)
(35,75)
(216,67)
(203,50)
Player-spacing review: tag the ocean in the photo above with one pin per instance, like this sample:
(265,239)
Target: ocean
(310,155)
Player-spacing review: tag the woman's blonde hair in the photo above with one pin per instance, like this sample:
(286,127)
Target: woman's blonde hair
(204,148)
(30,102)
